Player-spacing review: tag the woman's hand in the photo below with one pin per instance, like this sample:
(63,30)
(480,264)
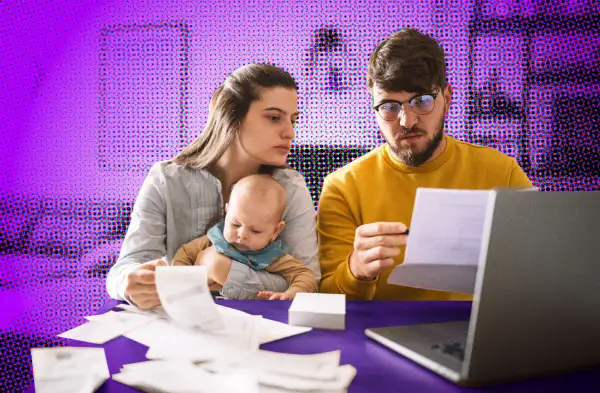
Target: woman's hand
(141,285)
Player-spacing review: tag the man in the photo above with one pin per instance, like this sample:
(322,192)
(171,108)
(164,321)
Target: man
(364,205)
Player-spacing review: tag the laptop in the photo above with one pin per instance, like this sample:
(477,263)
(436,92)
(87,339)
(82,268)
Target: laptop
(536,301)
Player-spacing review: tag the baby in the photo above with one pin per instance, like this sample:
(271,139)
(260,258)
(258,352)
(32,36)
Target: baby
(248,235)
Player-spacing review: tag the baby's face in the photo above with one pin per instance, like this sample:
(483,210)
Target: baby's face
(250,228)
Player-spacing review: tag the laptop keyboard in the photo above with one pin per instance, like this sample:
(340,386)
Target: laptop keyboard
(454,349)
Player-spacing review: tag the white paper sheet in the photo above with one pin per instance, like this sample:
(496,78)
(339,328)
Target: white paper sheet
(445,240)
(184,294)
(158,333)
(343,379)
(68,369)
(269,330)
(197,346)
(447,227)
(181,377)
(274,330)
(105,327)
(320,366)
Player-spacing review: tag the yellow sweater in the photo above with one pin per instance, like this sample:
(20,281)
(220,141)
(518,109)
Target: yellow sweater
(377,187)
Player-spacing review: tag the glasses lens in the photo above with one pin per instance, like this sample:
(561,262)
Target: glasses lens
(422,104)
(390,110)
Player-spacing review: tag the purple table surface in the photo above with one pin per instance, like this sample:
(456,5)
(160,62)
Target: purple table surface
(379,369)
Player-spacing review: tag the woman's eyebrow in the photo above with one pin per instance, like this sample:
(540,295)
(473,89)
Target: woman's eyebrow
(272,108)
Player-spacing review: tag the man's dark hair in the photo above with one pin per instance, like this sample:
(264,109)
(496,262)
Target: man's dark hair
(407,61)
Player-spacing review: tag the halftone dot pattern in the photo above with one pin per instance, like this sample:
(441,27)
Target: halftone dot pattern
(143,115)
(525,81)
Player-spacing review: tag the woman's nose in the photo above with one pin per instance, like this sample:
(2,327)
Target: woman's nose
(288,131)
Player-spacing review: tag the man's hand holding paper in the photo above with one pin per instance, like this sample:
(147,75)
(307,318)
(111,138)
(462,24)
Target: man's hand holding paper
(375,246)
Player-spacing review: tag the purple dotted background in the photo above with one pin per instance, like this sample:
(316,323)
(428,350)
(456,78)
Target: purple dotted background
(95,92)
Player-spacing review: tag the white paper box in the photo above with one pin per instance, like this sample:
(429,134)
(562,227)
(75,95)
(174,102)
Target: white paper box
(318,310)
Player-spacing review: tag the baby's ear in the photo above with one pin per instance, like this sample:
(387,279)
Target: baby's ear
(278,229)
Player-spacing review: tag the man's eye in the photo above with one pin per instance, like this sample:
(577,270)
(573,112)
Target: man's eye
(274,118)
(423,100)
(391,107)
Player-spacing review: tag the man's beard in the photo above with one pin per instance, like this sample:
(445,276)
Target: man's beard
(408,156)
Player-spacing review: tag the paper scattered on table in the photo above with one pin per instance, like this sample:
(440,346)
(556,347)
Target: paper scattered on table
(446,233)
(196,346)
(68,369)
(105,327)
(269,329)
(321,366)
(243,331)
(343,379)
(316,372)
(185,297)
(318,310)
(183,377)
(273,330)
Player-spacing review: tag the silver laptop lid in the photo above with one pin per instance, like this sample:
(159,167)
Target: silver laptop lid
(537,294)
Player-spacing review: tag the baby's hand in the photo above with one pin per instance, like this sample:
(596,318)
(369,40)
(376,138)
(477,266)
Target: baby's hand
(268,295)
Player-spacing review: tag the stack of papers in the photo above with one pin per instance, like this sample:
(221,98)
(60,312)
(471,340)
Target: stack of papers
(68,370)
(318,310)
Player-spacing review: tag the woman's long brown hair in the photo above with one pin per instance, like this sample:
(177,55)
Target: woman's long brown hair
(228,107)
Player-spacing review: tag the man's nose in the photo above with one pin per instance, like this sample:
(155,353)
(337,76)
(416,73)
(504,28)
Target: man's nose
(407,117)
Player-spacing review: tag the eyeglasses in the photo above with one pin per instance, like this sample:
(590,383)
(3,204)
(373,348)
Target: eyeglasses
(422,104)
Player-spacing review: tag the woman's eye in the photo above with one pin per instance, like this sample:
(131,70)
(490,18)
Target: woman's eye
(274,118)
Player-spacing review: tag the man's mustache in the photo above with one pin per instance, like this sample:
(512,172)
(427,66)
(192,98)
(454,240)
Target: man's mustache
(411,132)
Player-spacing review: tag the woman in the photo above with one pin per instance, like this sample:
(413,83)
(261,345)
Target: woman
(250,129)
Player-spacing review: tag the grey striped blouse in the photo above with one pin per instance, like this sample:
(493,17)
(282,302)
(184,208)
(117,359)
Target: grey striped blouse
(177,204)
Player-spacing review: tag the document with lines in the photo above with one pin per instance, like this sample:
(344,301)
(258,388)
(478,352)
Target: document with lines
(445,240)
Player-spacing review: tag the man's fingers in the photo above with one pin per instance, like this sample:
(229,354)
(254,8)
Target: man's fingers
(367,243)
(381,228)
(376,253)
(374,268)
